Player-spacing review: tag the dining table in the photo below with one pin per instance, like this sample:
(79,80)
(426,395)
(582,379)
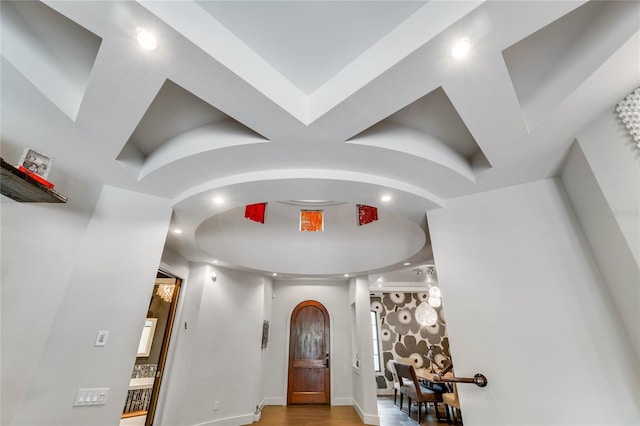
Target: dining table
(426,374)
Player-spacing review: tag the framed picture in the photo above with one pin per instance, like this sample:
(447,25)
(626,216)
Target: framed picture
(265,333)
(146,339)
(36,162)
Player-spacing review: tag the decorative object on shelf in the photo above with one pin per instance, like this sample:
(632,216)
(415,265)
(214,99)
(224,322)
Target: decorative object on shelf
(165,291)
(36,162)
(628,110)
(27,187)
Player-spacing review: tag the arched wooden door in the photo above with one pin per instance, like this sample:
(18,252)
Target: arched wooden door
(309,367)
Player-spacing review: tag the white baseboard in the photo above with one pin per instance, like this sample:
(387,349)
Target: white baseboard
(230,421)
(367,419)
(258,413)
(342,401)
(275,400)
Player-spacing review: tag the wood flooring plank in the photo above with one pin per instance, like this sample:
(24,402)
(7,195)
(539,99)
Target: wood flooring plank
(325,415)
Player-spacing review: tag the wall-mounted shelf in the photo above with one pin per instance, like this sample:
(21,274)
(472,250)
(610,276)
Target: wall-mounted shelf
(21,187)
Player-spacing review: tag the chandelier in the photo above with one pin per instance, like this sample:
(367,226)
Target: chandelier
(629,111)
(165,291)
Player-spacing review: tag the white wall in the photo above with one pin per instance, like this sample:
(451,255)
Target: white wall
(527,307)
(104,285)
(334,295)
(219,357)
(363,376)
(38,248)
(614,160)
(602,178)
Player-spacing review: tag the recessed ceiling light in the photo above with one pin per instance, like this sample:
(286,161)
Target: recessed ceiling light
(346,275)
(461,48)
(146,39)
(215,261)
(275,274)
(385,198)
(177,231)
(218,200)
(407,263)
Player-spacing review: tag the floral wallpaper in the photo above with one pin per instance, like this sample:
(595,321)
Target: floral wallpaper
(403,337)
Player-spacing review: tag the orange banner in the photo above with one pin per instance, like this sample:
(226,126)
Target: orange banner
(311,220)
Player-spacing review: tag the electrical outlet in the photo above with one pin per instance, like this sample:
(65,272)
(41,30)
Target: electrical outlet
(216,405)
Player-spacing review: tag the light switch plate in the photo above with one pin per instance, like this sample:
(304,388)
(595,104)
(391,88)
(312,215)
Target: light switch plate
(101,338)
(91,396)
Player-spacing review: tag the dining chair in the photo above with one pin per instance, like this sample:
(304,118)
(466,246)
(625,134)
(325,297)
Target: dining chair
(396,382)
(414,390)
(451,401)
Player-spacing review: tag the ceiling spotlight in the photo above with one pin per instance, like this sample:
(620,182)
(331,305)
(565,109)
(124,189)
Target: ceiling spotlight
(346,275)
(177,231)
(385,198)
(461,48)
(275,274)
(218,200)
(146,39)
(407,263)
(418,271)
(215,261)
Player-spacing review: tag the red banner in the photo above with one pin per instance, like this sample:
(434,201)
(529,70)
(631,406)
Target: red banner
(255,212)
(366,214)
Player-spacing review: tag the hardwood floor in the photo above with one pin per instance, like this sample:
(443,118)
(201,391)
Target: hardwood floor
(325,415)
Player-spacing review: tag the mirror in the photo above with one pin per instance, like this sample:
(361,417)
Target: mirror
(144,347)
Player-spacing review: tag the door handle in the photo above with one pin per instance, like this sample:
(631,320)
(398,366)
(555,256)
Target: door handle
(326,360)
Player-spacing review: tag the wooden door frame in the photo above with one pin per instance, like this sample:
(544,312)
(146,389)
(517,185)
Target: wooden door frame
(153,403)
(328,327)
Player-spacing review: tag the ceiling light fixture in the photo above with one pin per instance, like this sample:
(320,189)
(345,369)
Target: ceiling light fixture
(177,231)
(461,48)
(385,198)
(165,292)
(218,200)
(275,274)
(628,110)
(407,263)
(346,275)
(146,39)
(426,315)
